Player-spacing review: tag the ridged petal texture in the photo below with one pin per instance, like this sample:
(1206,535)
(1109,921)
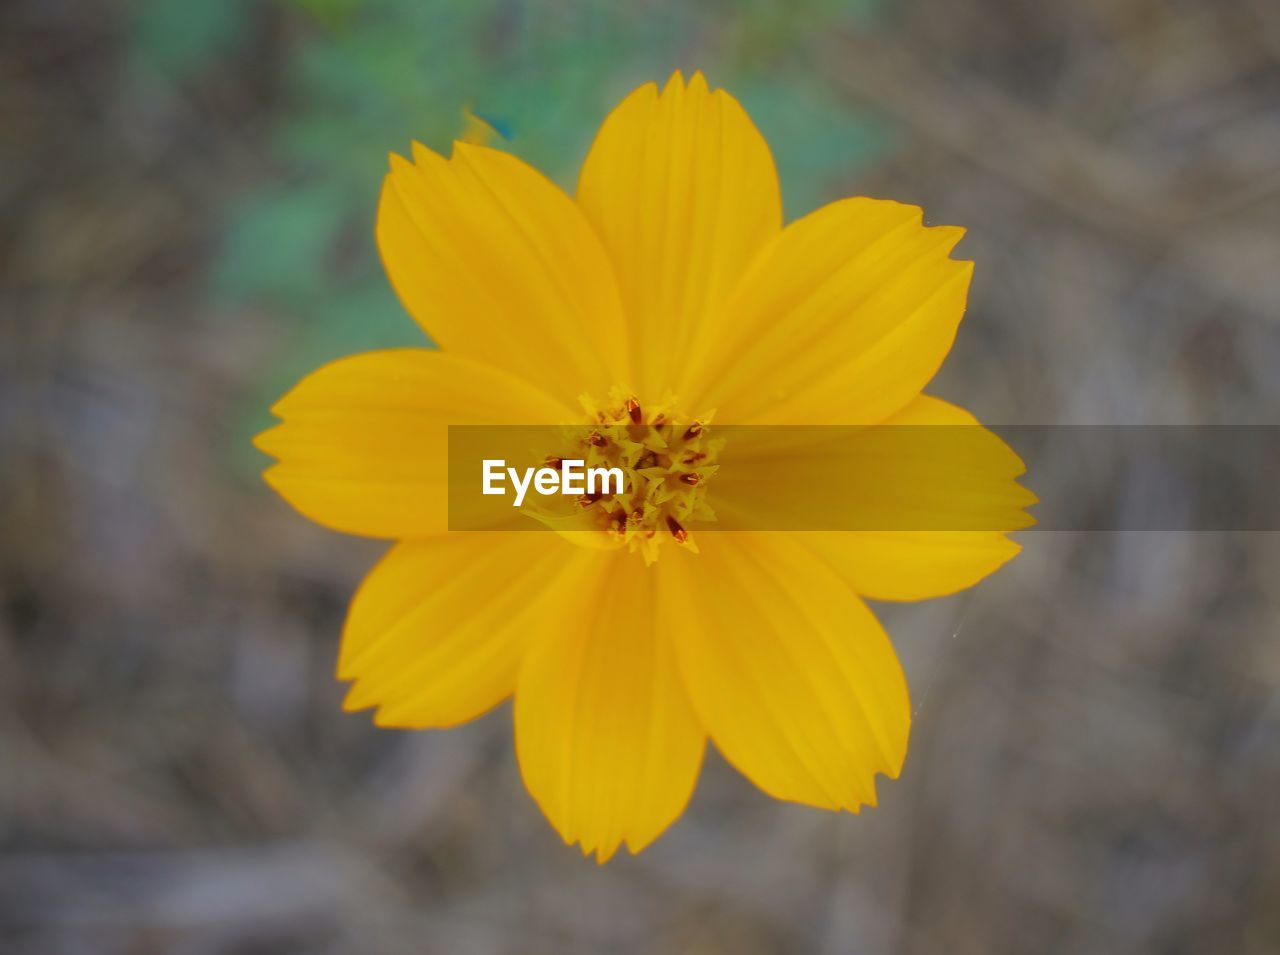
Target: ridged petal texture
(681,188)
(790,673)
(669,270)
(915,507)
(495,262)
(438,629)
(607,741)
(918,564)
(843,319)
(363,444)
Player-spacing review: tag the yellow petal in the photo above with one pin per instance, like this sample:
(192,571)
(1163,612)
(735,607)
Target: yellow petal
(912,565)
(929,468)
(607,742)
(842,320)
(682,189)
(363,443)
(917,564)
(497,263)
(792,676)
(437,630)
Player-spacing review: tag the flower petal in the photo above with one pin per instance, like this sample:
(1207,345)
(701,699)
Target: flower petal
(842,320)
(917,506)
(793,678)
(495,262)
(437,630)
(918,564)
(681,187)
(607,742)
(363,446)
(912,565)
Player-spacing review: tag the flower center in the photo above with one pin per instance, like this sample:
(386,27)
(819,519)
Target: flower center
(667,459)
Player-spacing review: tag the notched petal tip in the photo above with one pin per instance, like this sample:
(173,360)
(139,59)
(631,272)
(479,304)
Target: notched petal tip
(1022,523)
(603,855)
(585,844)
(904,213)
(420,157)
(274,478)
(465,150)
(400,169)
(424,155)
(356,699)
(950,236)
(461,151)
(268,441)
(678,87)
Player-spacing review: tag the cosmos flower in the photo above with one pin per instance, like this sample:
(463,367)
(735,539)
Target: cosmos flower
(666,289)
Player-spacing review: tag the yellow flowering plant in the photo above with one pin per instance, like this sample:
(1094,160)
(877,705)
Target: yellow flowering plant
(665,289)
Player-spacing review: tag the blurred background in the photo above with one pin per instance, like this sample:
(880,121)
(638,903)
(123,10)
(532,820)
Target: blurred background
(187,193)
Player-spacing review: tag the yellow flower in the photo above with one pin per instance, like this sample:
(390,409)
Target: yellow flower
(667,287)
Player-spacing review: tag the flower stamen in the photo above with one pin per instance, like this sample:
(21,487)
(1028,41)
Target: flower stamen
(666,460)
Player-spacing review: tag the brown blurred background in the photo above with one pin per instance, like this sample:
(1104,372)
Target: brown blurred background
(187,192)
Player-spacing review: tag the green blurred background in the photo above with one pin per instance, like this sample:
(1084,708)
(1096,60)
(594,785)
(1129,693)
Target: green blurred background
(188,191)
(361,79)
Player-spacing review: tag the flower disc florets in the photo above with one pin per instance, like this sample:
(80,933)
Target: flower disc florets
(667,459)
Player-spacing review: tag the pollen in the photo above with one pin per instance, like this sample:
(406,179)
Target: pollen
(667,459)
